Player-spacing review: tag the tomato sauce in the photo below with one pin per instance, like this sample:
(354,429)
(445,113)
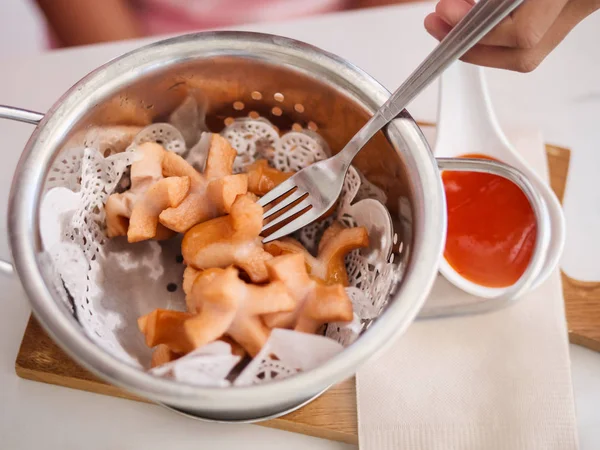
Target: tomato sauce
(491,227)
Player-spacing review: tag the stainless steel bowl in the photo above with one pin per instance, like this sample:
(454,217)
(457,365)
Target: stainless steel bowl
(311,87)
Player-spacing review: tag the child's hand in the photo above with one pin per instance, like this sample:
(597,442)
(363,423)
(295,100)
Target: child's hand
(522,40)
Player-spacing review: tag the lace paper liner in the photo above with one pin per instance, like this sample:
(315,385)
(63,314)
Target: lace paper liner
(108,284)
(164,134)
(286,353)
(206,366)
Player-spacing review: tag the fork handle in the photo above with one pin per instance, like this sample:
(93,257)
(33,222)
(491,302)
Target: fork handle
(484,16)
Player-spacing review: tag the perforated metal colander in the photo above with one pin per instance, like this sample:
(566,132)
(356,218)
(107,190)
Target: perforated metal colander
(291,84)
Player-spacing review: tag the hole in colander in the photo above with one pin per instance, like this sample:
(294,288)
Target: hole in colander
(171,287)
(278,97)
(228,121)
(312,126)
(179,259)
(238,106)
(276,111)
(297,127)
(256,95)
(299,107)
(253,115)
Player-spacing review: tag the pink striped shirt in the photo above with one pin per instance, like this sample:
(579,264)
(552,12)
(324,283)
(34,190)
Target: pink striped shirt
(158,17)
(174,16)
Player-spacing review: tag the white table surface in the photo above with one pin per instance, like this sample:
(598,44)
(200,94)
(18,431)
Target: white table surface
(562,98)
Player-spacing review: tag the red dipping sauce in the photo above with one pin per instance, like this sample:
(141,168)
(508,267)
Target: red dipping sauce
(491,227)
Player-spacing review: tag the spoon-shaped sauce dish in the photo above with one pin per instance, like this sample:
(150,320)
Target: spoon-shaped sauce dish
(468,127)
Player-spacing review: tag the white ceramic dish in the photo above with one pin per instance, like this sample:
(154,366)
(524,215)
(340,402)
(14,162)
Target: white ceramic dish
(467,125)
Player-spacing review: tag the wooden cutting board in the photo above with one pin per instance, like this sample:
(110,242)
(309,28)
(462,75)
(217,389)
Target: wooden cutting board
(333,415)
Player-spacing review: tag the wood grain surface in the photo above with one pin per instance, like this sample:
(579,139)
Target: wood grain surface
(582,298)
(333,415)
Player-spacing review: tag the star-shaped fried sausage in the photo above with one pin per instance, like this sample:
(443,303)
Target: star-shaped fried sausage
(211,193)
(164,330)
(163,194)
(316,303)
(227,305)
(262,177)
(135,212)
(229,240)
(165,327)
(329,265)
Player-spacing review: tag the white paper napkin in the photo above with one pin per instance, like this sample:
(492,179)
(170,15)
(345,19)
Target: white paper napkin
(494,381)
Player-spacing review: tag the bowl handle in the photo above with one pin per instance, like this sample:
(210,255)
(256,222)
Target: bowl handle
(19,115)
(540,249)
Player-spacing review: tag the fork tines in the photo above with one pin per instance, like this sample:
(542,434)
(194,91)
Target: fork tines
(289,211)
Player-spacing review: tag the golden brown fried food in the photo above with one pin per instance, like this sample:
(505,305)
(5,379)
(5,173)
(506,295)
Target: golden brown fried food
(229,240)
(165,193)
(224,304)
(315,302)
(134,213)
(329,265)
(211,193)
(164,326)
(162,354)
(152,206)
(262,177)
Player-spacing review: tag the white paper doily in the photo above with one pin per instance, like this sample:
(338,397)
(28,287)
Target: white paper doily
(206,366)
(252,139)
(164,134)
(286,353)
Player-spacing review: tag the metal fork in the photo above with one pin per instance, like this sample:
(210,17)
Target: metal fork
(312,191)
